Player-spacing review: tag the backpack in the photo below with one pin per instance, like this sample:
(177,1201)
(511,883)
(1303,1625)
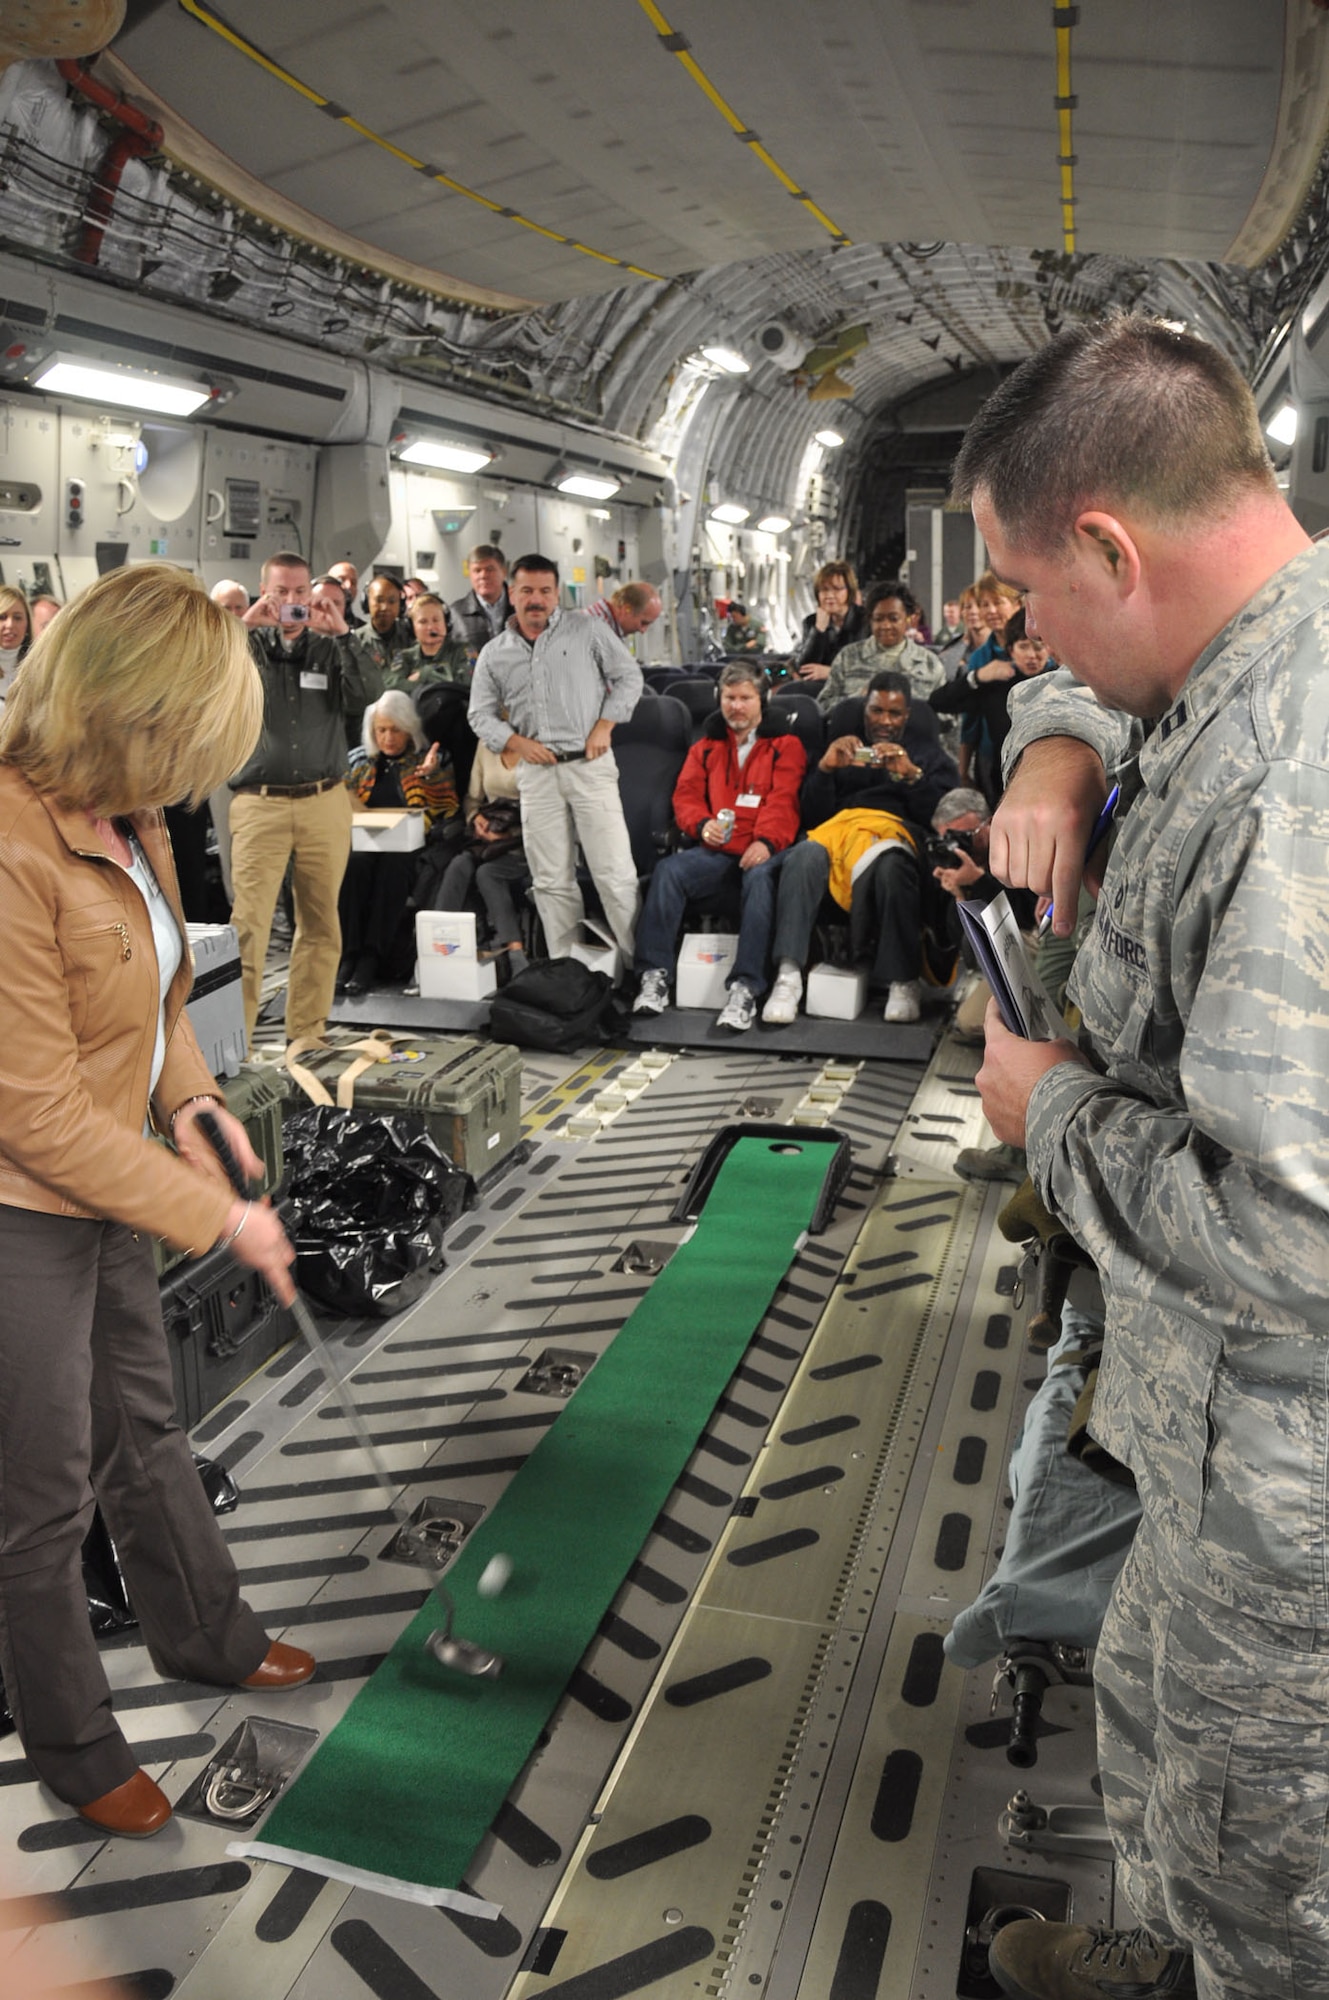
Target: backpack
(555,1004)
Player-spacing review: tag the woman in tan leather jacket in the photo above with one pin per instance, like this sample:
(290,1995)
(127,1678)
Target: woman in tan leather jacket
(140,694)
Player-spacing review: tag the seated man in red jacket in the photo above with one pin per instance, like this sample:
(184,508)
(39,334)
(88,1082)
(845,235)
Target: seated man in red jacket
(748,765)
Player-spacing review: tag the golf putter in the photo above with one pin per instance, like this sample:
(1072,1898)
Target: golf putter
(458,1654)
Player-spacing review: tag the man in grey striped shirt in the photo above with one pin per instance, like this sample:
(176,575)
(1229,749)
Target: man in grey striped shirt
(546,695)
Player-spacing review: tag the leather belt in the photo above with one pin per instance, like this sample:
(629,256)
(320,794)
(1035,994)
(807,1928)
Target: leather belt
(292,791)
(569,756)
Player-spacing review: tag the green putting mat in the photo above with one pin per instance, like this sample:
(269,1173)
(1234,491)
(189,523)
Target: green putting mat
(402,1791)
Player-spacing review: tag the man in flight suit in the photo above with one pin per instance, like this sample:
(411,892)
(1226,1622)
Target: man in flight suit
(1121,482)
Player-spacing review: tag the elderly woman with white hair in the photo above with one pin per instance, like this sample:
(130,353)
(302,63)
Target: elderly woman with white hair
(392,769)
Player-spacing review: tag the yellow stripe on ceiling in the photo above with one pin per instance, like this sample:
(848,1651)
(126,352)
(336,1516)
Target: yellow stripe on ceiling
(1063,20)
(678,45)
(218,27)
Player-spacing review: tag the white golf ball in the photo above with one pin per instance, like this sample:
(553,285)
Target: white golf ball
(494,1576)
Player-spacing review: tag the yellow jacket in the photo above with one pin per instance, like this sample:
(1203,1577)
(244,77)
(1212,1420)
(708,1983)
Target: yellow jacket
(848,837)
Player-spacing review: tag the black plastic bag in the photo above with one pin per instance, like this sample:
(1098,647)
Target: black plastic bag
(373,1196)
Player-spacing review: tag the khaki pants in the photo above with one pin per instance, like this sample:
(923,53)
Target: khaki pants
(315,834)
(563,806)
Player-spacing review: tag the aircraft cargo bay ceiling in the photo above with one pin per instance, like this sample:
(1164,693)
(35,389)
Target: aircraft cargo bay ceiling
(879,204)
(612,123)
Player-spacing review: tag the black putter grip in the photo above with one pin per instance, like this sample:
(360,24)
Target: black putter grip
(220,1144)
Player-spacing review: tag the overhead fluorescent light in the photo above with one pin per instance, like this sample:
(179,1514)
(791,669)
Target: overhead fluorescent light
(730,513)
(831,439)
(127,388)
(727,359)
(1282,427)
(445,456)
(772,524)
(599,513)
(589,485)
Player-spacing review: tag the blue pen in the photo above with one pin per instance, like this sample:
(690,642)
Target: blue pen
(1101,825)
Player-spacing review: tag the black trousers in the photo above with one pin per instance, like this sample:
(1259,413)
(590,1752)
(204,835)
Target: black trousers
(88,1410)
(372,907)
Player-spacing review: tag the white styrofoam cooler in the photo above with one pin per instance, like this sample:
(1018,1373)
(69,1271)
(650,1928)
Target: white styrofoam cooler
(398,831)
(597,950)
(216,1005)
(705,961)
(449,966)
(835,994)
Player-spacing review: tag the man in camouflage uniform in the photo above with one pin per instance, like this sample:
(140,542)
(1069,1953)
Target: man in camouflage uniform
(1120,480)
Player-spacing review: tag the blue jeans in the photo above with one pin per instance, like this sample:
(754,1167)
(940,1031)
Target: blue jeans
(702,871)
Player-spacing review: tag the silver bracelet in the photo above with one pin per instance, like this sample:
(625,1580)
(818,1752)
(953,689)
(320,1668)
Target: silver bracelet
(201,1097)
(225,1242)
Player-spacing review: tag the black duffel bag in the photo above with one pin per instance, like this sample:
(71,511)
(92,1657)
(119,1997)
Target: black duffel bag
(557,1004)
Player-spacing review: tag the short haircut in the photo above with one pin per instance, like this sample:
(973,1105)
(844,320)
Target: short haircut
(435,603)
(397,708)
(1013,629)
(889,682)
(13,599)
(955,804)
(141,693)
(230,583)
(1124,414)
(284,559)
(45,597)
(381,576)
(737,672)
(635,596)
(536,565)
(487,552)
(833,572)
(881,591)
(328,582)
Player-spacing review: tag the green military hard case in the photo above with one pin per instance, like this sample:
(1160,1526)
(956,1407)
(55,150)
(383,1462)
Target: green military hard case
(468,1092)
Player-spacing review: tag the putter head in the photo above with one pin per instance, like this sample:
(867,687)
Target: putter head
(461,1657)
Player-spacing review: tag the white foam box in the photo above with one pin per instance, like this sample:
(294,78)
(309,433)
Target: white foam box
(399,831)
(605,958)
(448,964)
(704,963)
(835,994)
(216,1005)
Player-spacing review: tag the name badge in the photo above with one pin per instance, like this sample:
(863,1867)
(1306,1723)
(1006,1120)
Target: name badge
(311,680)
(749,800)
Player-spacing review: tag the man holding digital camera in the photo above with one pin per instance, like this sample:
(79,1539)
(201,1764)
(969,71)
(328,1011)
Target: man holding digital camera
(891,765)
(290,801)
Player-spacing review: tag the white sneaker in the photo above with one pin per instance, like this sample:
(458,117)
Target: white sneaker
(653,994)
(902,1001)
(782,1007)
(739,1010)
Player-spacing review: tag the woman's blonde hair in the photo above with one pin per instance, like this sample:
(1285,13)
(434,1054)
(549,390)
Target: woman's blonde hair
(9,597)
(397,708)
(141,693)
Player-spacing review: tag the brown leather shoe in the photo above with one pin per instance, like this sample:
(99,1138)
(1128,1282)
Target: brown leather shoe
(135,1809)
(281,1667)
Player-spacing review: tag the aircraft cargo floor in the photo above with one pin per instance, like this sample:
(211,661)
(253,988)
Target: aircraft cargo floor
(764,1778)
